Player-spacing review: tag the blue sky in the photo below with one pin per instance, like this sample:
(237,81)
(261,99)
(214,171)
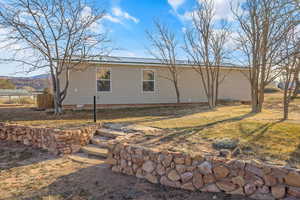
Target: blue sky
(127,21)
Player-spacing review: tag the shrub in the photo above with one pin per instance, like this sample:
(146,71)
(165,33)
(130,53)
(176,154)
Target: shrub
(272,90)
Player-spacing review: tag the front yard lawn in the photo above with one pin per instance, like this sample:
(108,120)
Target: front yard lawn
(195,128)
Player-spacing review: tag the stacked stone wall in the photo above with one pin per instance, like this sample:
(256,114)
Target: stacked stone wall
(57,141)
(207,174)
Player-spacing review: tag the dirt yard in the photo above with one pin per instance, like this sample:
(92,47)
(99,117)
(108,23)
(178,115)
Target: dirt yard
(29,174)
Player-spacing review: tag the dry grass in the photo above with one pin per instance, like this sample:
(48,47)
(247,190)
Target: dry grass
(194,128)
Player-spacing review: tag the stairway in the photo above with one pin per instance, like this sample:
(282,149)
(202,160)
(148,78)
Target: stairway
(97,150)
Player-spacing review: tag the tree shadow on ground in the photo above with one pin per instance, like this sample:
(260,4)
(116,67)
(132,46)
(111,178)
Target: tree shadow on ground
(294,160)
(141,114)
(13,154)
(185,132)
(99,182)
(259,132)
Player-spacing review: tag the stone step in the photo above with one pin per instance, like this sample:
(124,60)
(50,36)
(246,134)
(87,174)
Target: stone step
(109,133)
(86,159)
(95,150)
(100,141)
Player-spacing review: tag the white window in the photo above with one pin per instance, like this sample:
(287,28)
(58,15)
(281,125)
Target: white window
(103,80)
(148,80)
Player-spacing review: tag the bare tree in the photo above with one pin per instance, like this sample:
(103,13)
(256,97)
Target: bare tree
(58,34)
(290,64)
(164,48)
(297,83)
(205,45)
(264,25)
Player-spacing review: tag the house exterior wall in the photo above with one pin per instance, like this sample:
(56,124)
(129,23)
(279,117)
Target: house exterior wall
(126,86)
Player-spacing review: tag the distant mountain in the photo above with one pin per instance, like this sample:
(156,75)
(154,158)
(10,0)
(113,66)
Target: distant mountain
(38,82)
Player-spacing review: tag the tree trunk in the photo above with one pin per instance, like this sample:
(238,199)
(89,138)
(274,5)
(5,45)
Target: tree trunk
(285,105)
(57,97)
(297,86)
(177,91)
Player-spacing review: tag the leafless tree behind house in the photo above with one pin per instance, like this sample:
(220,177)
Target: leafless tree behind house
(164,48)
(205,45)
(263,28)
(61,34)
(290,64)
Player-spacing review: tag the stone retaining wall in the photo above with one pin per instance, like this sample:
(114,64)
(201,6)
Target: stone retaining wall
(250,178)
(57,141)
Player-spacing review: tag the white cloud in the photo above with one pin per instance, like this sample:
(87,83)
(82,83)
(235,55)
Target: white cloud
(112,19)
(122,14)
(175,3)
(86,12)
(222,10)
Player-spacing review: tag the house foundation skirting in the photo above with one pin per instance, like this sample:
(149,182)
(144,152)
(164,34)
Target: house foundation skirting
(104,106)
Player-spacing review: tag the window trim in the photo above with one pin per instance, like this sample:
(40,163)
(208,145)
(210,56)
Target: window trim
(154,80)
(110,80)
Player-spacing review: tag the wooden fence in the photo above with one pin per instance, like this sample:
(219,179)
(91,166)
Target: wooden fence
(45,101)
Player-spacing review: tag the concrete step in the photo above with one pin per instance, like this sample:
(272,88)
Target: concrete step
(95,150)
(86,159)
(109,133)
(100,141)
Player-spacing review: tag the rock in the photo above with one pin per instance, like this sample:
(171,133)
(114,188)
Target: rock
(224,153)
(226,186)
(253,179)
(148,166)
(115,169)
(249,189)
(188,186)
(221,172)
(236,152)
(239,191)
(151,178)
(139,173)
(260,196)
(188,160)
(225,144)
(205,167)
(26,141)
(210,188)
(198,180)
(238,180)
(255,170)
(111,161)
(209,178)
(290,198)
(173,175)
(263,189)
(293,179)
(278,191)
(165,181)
(185,177)
(179,160)
(160,169)
(167,159)
(180,168)
(270,180)
(293,191)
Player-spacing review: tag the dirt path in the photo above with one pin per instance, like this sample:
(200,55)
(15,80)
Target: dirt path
(36,175)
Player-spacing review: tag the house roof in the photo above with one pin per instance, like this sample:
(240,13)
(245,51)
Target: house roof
(148,62)
(16,92)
